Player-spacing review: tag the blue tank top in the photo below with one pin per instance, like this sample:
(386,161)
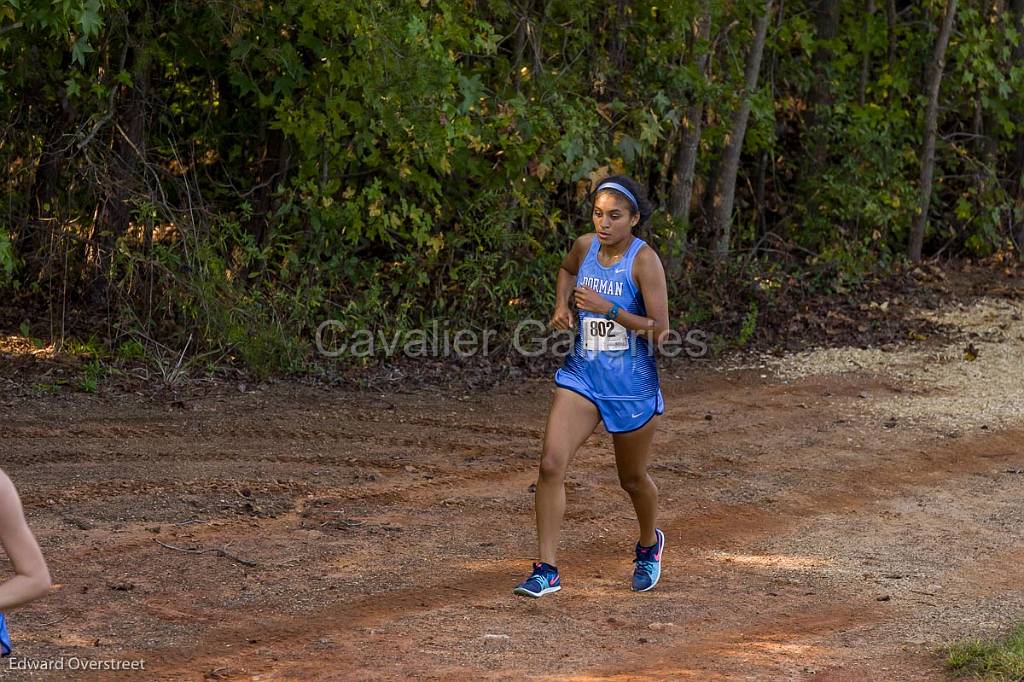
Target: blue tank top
(624,369)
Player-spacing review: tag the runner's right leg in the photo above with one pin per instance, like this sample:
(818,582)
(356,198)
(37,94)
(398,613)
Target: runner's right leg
(571,420)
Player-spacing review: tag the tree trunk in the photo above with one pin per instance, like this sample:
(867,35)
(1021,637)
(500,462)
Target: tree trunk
(32,245)
(760,192)
(709,195)
(520,46)
(1017,192)
(725,186)
(820,102)
(827,26)
(890,20)
(931,124)
(985,123)
(129,152)
(686,159)
(865,62)
(127,165)
(1017,163)
(619,24)
(269,171)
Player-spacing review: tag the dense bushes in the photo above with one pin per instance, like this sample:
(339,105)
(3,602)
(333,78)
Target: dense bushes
(238,172)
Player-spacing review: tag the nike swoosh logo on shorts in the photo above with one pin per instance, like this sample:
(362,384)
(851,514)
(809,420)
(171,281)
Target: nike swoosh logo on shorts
(634,416)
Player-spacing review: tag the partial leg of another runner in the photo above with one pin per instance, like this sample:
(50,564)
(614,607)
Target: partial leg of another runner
(632,454)
(571,420)
(31,578)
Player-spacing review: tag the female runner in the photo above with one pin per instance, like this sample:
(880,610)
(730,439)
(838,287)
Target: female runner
(618,285)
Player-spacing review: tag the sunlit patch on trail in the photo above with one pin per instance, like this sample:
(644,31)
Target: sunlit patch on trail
(18,345)
(789,562)
(663,673)
(783,648)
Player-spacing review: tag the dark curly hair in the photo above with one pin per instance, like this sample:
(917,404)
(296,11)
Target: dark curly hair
(646,208)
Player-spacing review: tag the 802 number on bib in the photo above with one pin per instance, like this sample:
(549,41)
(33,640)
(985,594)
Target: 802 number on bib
(600,334)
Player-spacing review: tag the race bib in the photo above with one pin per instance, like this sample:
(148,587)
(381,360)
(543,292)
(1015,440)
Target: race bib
(601,335)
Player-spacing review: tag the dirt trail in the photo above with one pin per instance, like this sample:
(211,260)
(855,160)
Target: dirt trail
(820,526)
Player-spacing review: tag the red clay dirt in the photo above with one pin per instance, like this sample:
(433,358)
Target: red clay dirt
(368,536)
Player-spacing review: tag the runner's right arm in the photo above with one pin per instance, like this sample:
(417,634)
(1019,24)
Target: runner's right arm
(563,317)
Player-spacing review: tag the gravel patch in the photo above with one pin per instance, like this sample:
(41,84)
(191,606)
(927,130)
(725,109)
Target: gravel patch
(976,381)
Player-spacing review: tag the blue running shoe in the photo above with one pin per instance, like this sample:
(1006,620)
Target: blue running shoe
(5,637)
(543,580)
(647,565)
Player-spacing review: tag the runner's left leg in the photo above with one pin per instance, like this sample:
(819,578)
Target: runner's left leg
(632,453)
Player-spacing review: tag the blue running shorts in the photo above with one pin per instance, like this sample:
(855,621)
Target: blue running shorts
(619,415)
(5,637)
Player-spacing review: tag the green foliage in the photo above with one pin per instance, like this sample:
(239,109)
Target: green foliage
(748,327)
(90,347)
(129,350)
(50,389)
(388,164)
(1001,659)
(91,377)
(73,24)
(25,330)
(7,263)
